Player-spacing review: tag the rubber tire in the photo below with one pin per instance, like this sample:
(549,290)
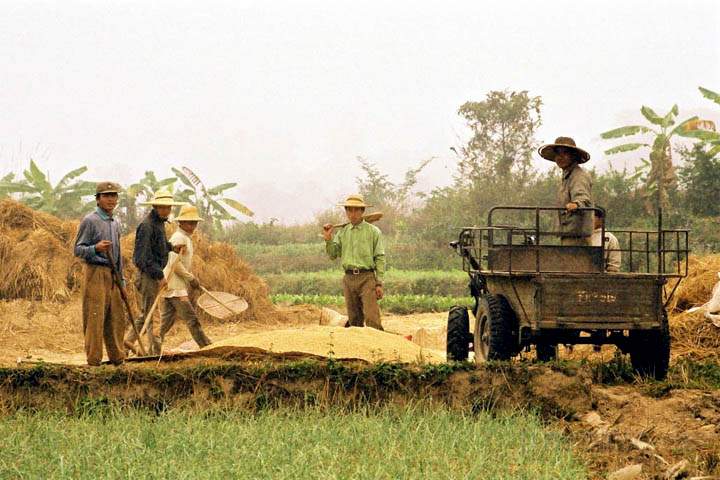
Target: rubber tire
(503,340)
(546,352)
(458,334)
(650,350)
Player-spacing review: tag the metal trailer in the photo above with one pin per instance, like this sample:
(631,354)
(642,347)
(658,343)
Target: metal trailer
(530,290)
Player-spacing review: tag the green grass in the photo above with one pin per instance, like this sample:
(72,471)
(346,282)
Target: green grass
(311,257)
(401,304)
(411,442)
(403,282)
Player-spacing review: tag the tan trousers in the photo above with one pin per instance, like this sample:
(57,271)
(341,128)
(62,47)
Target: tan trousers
(175,307)
(361,301)
(147,288)
(103,316)
(576,241)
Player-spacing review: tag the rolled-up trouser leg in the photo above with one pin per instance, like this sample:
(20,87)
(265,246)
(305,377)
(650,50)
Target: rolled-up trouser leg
(353,303)
(186,311)
(370,307)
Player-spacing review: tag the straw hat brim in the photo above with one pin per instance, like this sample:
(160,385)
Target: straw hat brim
(548,152)
(163,203)
(354,204)
(191,219)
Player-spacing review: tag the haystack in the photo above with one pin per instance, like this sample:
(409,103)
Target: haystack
(696,289)
(36,254)
(693,335)
(36,251)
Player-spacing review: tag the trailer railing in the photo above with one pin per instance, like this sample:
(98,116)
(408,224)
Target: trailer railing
(535,247)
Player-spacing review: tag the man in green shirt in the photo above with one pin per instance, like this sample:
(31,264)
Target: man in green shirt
(362,252)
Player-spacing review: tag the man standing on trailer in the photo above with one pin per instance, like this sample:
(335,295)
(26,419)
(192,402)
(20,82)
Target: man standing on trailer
(150,257)
(176,301)
(576,227)
(362,252)
(102,305)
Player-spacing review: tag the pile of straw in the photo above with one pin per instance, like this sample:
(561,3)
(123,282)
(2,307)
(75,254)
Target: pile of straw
(696,289)
(36,255)
(693,335)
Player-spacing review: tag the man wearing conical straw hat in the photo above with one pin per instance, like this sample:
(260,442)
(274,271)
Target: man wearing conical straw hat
(176,302)
(576,227)
(362,252)
(98,241)
(150,257)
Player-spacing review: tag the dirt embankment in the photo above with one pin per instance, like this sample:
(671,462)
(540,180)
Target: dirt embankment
(611,426)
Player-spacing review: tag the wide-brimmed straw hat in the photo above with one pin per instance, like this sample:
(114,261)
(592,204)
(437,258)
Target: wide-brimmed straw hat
(354,201)
(188,213)
(548,151)
(163,198)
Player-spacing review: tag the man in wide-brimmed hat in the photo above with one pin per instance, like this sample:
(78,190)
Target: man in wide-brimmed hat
(150,257)
(361,249)
(576,227)
(176,301)
(97,241)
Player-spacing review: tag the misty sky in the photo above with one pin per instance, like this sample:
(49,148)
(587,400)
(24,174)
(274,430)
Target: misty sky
(282,97)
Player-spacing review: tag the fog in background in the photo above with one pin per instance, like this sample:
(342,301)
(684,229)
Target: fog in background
(282,97)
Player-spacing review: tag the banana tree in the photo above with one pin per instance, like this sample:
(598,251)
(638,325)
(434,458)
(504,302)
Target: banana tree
(210,202)
(142,190)
(7,179)
(657,172)
(35,190)
(705,130)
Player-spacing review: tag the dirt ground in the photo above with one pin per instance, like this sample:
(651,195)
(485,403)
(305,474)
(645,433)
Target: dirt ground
(611,426)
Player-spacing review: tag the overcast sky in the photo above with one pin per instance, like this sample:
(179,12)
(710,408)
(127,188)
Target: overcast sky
(282,97)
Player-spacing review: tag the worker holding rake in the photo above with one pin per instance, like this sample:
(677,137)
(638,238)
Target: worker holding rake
(97,244)
(176,302)
(362,252)
(151,257)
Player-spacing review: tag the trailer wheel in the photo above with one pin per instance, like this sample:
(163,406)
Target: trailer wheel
(546,352)
(496,329)
(650,350)
(458,334)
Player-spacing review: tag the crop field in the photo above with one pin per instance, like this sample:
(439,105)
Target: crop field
(311,257)
(399,304)
(451,283)
(284,443)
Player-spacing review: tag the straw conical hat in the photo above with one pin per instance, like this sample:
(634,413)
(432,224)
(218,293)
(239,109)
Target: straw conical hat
(163,198)
(354,201)
(188,213)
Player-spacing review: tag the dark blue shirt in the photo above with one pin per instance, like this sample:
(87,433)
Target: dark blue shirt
(97,226)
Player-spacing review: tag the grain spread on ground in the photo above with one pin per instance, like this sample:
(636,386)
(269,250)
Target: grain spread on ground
(337,342)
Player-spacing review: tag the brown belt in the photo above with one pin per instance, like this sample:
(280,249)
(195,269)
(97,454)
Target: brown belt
(357,271)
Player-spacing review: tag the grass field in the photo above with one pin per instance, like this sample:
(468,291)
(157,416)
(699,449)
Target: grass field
(411,442)
(398,282)
(311,257)
(400,304)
